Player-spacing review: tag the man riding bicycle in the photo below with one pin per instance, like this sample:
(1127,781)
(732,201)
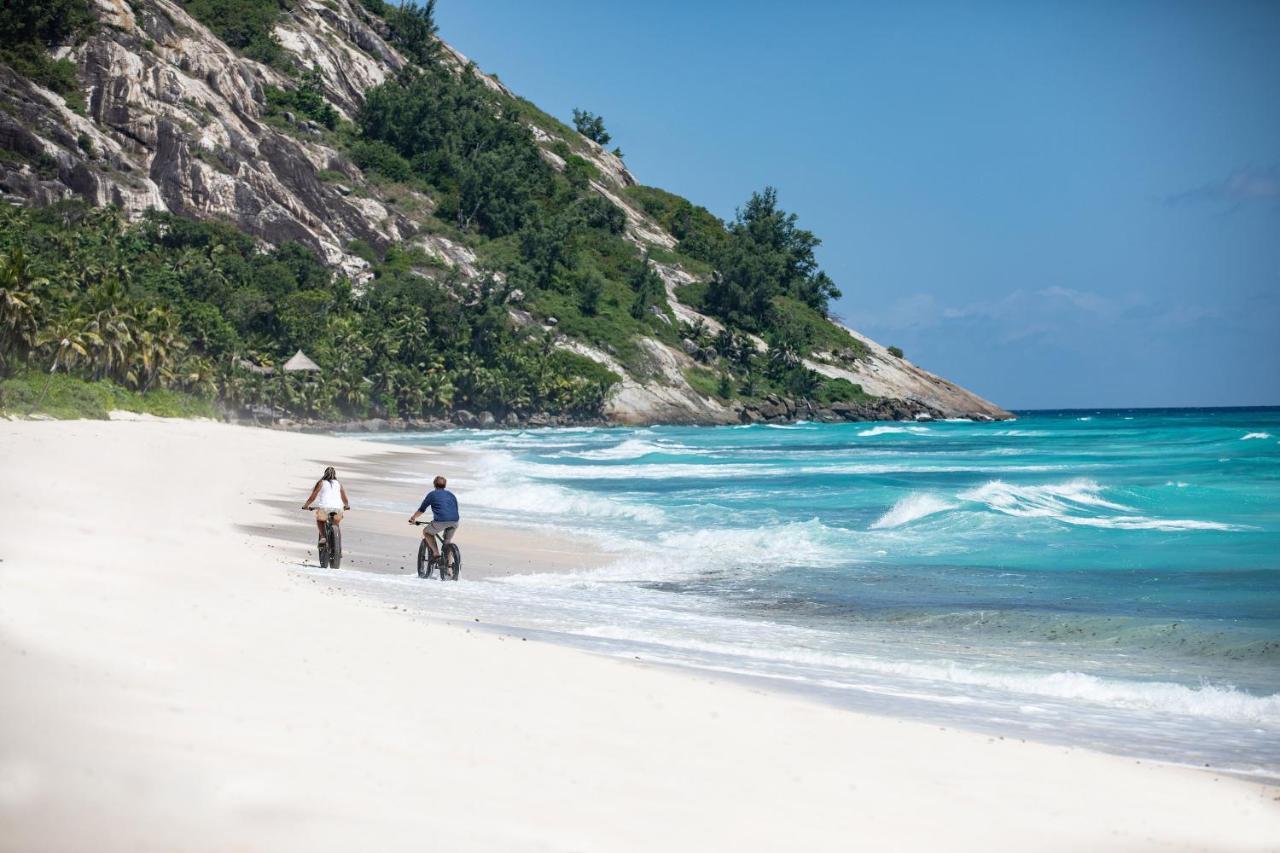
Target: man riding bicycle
(444,515)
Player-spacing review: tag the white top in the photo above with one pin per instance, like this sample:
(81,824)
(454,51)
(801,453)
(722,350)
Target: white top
(330,496)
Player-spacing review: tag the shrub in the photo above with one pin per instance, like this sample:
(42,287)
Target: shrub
(700,233)
(579,172)
(896,352)
(379,157)
(246,25)
(464,141)
(307,100)
(599,212)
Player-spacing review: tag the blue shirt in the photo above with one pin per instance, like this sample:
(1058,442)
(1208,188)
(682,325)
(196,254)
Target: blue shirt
(444,506)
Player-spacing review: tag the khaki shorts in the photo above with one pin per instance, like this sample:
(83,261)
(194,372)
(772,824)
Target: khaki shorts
(445,529)
(322,513)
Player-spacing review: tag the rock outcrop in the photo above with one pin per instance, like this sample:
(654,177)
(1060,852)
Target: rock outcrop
(175,120)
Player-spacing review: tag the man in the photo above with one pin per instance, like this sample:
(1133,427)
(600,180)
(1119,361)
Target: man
(444,514)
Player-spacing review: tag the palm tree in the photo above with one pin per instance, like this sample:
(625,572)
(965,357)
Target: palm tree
(70,340)
(156,346)
(19,305)
(413,331)
(196,374)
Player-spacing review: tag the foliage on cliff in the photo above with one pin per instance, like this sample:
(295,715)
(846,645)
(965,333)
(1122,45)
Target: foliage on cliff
(196,307)
(29,30)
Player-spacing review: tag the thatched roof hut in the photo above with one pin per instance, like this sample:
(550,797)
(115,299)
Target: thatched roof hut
(300,362)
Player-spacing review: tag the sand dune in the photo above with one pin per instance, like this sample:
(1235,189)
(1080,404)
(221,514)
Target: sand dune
(167,682)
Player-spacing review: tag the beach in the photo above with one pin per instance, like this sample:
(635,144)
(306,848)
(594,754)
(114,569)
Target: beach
(175,677)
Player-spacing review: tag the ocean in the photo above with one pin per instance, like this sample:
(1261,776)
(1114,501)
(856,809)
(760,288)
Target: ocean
(1107,579)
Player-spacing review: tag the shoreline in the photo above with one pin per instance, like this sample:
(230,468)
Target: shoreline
(179,690)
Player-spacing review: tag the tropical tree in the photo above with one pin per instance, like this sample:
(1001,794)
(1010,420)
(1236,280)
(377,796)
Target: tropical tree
(19,305)
(591,126)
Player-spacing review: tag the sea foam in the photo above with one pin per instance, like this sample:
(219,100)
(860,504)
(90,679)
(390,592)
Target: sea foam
(911,508)
(894,430)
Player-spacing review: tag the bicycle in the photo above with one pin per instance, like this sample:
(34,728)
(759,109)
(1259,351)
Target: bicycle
(448,552)
(330,546)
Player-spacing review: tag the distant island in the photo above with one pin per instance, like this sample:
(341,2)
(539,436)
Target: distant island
(197,192)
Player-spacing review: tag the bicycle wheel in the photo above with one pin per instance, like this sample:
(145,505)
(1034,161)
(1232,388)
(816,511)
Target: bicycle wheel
(335,546)
(455,559)
(424,564)
(323,547)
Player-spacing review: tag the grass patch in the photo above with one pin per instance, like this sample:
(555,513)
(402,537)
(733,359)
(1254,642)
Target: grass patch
(823,335)
(690,264)
(694,295)
(549,124)
(710,383)
(70,397)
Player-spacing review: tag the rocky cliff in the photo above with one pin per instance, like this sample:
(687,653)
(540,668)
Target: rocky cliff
(173,119)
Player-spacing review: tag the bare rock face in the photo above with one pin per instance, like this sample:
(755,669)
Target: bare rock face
(174,121)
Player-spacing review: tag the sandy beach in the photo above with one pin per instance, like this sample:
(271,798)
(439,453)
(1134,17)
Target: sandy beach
(170,680)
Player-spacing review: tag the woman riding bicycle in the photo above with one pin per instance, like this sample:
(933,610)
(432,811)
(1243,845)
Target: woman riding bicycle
(328,497)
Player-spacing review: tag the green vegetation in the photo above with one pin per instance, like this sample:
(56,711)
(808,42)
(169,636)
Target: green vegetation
(197,311)
(702,236)
(413,29)
(766,255)
(708,383)
(561,244)
(196,308)
(896,352)
(64,396)
(742,370)
(307,100)
(246,25)
(465,144)
(29,30)
(591,126)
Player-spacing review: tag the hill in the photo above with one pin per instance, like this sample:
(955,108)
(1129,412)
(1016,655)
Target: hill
(197,190)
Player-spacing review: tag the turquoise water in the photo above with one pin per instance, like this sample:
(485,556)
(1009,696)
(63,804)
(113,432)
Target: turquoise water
(1110,579)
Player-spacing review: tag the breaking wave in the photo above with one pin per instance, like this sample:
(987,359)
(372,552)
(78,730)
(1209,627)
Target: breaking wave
(894,430)
(912,508)
(1078,502)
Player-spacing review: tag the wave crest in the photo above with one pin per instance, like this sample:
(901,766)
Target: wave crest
(893,430)
(911,508)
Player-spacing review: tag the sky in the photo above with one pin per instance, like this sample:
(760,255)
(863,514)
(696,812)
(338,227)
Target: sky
(1071,204)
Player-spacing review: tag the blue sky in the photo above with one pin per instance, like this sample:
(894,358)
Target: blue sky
(1054,204)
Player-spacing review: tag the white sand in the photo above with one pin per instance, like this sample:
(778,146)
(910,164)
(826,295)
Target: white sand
(167,684)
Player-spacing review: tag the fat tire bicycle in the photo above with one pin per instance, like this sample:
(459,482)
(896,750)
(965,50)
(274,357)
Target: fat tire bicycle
(330,547)
(447,550)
